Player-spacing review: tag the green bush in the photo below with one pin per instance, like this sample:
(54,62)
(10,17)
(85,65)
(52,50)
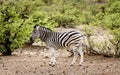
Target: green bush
(64,20)
(64,13)
(115,7)
(17,19)
(15,28)
(86,17)
(111,20)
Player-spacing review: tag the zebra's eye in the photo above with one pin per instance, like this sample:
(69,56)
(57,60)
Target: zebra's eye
(34,31)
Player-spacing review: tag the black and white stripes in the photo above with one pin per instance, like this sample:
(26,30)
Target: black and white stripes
(56,40)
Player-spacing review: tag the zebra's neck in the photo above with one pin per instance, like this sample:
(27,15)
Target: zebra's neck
(44,35)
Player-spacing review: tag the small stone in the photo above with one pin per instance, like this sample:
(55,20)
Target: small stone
(107,66)
(29,56)
(87,66)
(65,60)
(35,68)
(91,62)
(44,62)
(84,68)
(111,64)
(34,71)
(41,65)
(16,71)
(5,68)
(65,65)
(51,74)
(44,49)
(46,57)
(63,71)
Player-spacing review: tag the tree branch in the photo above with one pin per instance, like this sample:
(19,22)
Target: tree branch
(2,43)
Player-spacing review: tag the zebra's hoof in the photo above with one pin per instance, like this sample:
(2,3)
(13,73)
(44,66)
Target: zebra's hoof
(52,65)
(80,64)
(71,64)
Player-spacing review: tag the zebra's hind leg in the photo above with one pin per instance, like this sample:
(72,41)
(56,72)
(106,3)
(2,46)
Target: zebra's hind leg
(75,52)
(52,59)
(71,53)
(81,54)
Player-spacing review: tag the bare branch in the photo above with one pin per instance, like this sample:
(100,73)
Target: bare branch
(2,43)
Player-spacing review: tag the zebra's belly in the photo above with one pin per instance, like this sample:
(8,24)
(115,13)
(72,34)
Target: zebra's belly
(54,45)
(60,45)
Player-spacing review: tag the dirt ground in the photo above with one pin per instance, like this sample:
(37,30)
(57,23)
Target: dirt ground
(34,61)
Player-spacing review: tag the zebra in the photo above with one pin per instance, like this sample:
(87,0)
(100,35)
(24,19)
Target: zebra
(71,40)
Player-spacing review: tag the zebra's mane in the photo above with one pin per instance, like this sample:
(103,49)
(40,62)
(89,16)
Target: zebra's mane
(48,29)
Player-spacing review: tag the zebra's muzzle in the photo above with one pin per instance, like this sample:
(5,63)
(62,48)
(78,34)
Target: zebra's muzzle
(31,40)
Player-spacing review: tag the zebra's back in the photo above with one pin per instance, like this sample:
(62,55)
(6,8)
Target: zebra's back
(64,40)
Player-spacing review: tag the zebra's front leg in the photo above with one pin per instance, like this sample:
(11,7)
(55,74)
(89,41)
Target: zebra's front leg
(52,57)
(75,56)
(81,54)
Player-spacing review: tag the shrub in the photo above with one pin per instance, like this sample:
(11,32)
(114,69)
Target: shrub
(111,21)
(17,19)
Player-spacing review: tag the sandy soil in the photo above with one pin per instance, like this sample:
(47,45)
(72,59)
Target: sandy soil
(34,61)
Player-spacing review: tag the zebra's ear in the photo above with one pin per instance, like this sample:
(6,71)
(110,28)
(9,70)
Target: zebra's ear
(37,27)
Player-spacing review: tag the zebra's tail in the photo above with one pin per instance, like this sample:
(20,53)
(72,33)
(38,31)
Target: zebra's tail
(85,41)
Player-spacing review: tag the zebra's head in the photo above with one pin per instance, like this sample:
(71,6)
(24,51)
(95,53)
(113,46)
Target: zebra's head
(35,33)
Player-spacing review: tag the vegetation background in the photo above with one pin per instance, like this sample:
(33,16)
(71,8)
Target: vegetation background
(17,18)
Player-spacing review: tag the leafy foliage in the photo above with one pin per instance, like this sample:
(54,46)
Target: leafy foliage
(111,20)
(17,19)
